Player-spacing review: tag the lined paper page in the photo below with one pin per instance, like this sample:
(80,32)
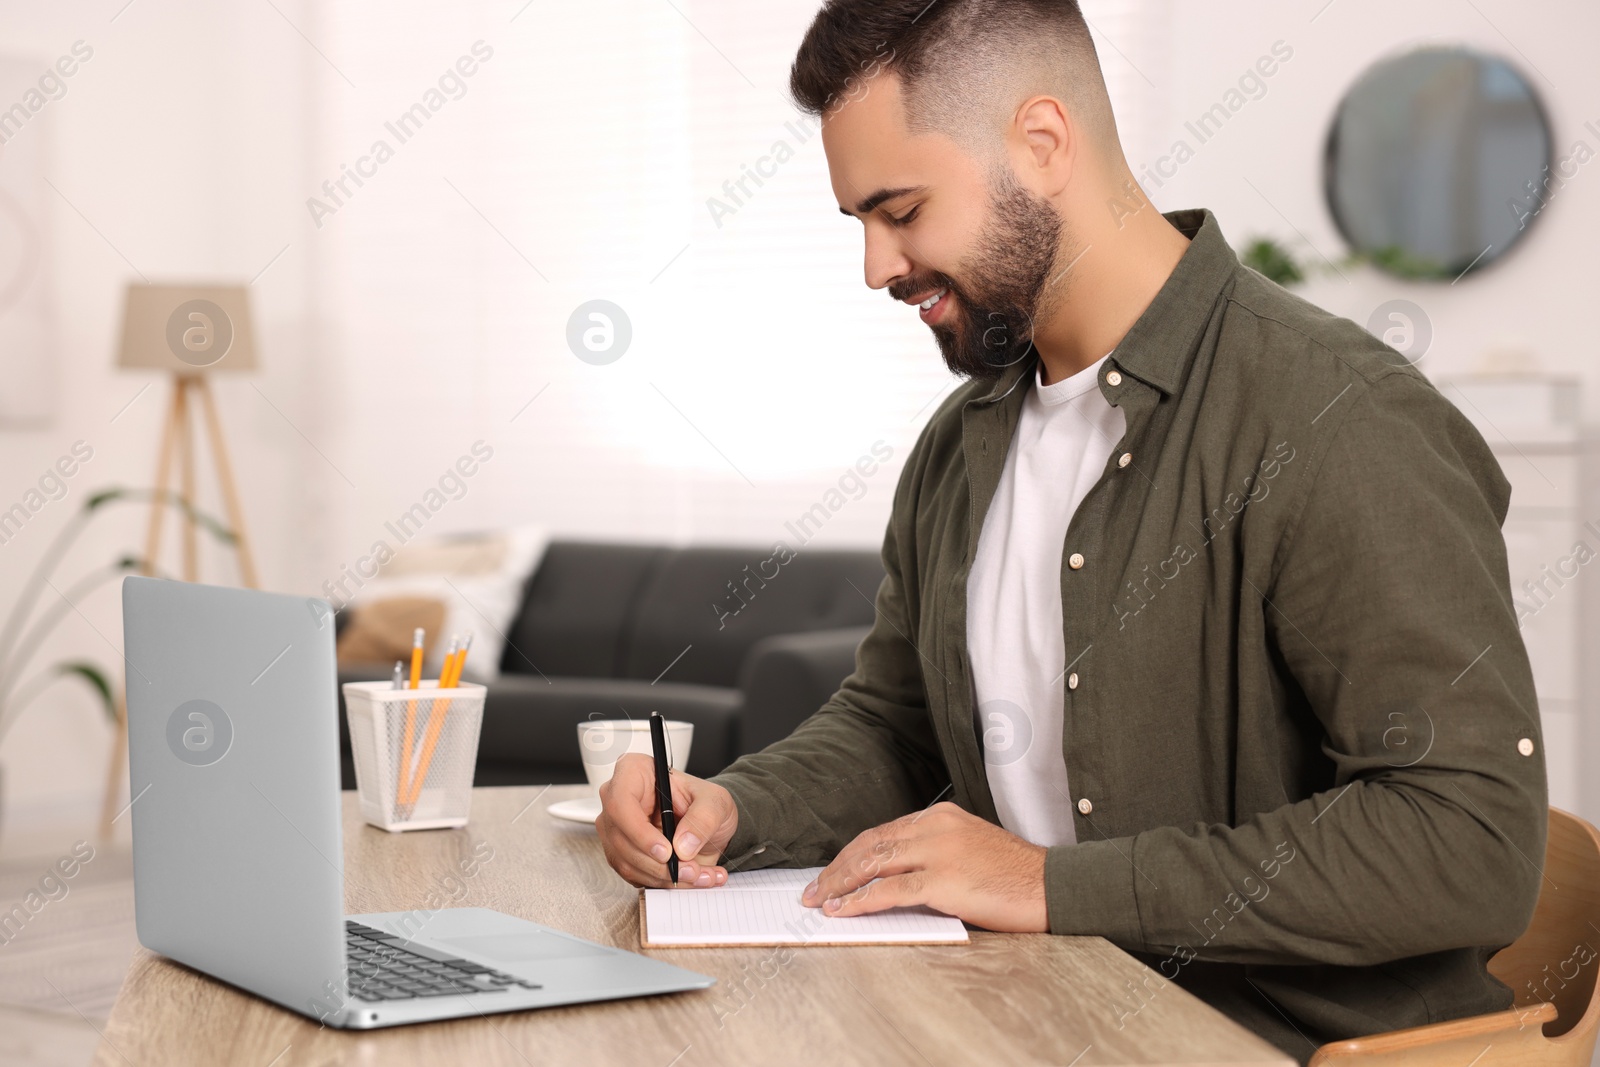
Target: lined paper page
(796,878)
(763,907)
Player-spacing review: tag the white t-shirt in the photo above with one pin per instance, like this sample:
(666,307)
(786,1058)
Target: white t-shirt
(1064,435)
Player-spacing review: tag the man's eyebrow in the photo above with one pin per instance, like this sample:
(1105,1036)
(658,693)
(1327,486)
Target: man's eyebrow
(871,203)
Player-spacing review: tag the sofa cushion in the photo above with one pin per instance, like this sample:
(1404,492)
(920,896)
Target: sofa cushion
(530,722)
(576,608)
(718,602)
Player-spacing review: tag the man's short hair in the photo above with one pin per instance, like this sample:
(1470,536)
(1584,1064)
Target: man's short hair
(964,65)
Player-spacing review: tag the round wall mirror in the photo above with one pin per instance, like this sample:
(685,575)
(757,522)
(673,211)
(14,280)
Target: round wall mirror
(1436,162)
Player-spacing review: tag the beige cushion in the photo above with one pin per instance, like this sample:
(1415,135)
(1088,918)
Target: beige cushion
(380,631)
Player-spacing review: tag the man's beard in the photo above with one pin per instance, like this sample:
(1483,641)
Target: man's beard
(1008,273)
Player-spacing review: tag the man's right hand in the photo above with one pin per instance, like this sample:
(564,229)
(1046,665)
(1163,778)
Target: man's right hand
(630,830)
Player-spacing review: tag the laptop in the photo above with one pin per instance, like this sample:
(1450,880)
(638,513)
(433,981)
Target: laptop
(238,861)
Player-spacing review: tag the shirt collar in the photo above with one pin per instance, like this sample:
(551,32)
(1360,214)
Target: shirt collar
(1157,348)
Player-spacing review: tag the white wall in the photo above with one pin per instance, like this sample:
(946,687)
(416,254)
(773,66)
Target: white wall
(411,323)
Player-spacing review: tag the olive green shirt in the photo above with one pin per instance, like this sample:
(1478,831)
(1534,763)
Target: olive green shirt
(1300,729)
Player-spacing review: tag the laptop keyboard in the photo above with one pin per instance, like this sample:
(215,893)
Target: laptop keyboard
(384,966)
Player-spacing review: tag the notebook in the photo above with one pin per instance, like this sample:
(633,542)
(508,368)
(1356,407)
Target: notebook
(763,908)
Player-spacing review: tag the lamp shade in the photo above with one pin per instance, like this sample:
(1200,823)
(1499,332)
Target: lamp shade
(187,329)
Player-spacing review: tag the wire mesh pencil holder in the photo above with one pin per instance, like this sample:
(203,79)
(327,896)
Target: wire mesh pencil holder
(437,729)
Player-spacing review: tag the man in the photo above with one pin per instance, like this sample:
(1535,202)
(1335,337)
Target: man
(1196,631)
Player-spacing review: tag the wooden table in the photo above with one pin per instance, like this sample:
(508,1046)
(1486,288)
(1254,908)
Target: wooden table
(1003,998)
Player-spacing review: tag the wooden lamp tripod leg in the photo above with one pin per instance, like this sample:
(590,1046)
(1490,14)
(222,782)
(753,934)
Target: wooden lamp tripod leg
(230,495)
(185,424)
(158,505)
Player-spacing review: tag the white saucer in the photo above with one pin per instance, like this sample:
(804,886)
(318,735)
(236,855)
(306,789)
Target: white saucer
(584,809)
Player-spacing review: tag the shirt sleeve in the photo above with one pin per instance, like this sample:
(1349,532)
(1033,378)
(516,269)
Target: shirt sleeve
(868,756)
(1389,605)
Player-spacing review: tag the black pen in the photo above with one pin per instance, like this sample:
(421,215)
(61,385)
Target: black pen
(669,824)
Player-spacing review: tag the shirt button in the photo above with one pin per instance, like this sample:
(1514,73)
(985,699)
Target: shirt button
(1525,746)
(1113,378)
(1072,683)
(1084,806)
(1075,561)
(1125,459)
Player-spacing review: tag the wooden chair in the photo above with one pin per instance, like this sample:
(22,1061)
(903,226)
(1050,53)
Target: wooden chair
(1551,971)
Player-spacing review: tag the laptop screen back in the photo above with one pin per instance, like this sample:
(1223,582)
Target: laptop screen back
(234,776)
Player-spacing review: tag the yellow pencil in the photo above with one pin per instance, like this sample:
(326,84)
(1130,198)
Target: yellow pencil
(449,679)
(461,661)
(430,735)
(411,716)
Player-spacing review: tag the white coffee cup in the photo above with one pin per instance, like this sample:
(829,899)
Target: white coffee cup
(601,742)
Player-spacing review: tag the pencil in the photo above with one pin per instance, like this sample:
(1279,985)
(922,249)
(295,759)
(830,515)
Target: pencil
(447,673)
(461,660)
(431,733)
(411,717)
(448,679)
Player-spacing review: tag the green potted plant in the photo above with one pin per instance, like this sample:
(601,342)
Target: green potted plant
(1275,261)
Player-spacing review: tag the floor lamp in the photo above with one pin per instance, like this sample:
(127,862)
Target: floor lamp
(191,332)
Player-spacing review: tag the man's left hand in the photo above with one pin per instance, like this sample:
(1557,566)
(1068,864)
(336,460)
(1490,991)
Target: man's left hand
(946,858)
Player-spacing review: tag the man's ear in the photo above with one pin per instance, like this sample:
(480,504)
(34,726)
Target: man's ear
(1046,144)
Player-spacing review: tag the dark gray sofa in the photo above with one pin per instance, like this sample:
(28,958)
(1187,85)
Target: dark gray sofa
(731,639)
